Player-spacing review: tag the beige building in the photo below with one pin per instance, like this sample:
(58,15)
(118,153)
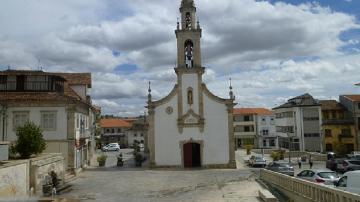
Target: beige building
(59,103)
(352,103)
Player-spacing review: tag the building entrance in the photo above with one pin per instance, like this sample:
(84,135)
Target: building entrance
(192,154)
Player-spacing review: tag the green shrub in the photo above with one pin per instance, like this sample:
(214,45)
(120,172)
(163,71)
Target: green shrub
(101,159)
(29,140)
(275,155)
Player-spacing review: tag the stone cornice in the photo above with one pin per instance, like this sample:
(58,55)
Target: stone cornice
(165,99)
(183,70)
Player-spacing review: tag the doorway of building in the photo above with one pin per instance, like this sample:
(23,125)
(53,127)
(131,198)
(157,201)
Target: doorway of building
(192,158)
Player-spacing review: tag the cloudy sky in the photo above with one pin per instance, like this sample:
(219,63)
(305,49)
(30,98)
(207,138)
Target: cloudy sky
(272,50)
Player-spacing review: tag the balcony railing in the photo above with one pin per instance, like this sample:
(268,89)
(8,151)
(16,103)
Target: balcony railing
(337,121)
(32,86)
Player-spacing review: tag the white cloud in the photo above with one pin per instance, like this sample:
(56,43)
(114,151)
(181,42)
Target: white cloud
(256,43)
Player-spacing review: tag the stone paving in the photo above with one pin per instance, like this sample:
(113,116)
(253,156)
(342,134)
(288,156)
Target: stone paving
(139,184)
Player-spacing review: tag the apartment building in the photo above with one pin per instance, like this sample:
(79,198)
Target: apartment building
(298,124)
(338,127)
(253,126)
(59,103)
(352,104)
(114,130)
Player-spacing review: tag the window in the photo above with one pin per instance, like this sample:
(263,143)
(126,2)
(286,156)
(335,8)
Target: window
(135,135)
(113,130)
(108,130)
(264,143)
(328,133)
(48,120)
(358,105)
(272,143)
(311,135)
(346,132)
(342,182)
(119,130)
(265,132)
(142,135)
(329,147)
(333,114)
(246,118)
(326,115)
(358,123)
(20,118)
(77,121)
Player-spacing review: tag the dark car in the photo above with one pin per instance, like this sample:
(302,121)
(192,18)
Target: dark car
(332,163)
(348,165)
(281,167)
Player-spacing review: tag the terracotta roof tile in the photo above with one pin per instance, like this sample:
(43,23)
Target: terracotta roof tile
(355,98)
(114,123)
(259,111)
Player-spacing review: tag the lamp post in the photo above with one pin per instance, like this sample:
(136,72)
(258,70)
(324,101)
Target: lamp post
(3,115)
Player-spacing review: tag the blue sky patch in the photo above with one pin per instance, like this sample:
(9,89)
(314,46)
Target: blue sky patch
(126,69)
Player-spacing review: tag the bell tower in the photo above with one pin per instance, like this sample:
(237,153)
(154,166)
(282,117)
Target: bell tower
(188,34)
(189,69)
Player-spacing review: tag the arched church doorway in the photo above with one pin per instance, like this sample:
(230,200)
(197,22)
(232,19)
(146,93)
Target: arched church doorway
(192,155)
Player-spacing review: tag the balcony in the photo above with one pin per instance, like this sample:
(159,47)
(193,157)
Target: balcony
(338,122)
(31,84)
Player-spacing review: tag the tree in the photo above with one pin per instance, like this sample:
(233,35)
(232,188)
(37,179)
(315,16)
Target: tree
(30,140)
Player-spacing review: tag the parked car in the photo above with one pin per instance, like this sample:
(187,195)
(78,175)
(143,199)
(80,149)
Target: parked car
(350,182)
(281,167)
(332,163)
(257,161)
(348,165)
(325,177)
(111,147)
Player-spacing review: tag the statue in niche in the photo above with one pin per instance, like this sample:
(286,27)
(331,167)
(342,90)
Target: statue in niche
(188,21)
(190,97)
(189,54)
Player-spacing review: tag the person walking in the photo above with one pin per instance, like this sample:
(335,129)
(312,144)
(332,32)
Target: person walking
(310,163)
(299,162)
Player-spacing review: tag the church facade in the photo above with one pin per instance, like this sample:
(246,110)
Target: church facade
(191,127)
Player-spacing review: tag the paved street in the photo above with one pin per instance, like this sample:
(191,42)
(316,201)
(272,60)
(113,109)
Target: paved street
(139,184)
(128,183)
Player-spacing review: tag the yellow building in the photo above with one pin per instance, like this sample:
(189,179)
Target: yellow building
(338,127)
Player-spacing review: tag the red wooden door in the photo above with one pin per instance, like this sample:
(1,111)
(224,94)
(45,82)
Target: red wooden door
(187,155)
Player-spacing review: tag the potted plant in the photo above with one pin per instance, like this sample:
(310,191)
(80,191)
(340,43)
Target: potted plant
(138,159)
(102,159)
(275,155)
(120,161)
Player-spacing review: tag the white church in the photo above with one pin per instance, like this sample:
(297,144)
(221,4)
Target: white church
(190,127)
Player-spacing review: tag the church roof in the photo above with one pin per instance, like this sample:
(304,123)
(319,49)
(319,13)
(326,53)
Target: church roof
(257,111)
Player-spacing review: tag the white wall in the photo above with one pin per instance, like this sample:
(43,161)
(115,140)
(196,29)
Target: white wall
(80,90)
(215,135)
(190,80)
(35,116)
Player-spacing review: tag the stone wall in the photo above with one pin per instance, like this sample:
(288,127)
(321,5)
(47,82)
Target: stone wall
(40,167)
(17,177)
(14,178)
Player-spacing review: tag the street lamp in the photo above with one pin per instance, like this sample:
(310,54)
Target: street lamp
(3,114)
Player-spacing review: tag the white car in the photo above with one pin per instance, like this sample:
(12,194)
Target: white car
(350,182)
(111,147)
(257,161)
(324,177)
